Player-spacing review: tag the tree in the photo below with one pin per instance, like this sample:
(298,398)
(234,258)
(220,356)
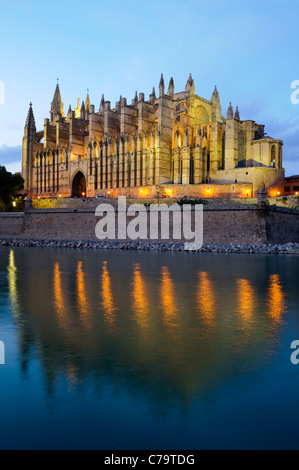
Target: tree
(10,186)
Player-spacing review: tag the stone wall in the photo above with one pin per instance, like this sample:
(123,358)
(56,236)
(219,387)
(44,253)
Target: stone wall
(11,224)
(243,225)
(282,225)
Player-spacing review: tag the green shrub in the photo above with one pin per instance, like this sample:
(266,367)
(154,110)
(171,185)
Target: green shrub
(10,185)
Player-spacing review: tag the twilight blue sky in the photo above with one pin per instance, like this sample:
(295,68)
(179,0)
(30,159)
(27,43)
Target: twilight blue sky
(249,49)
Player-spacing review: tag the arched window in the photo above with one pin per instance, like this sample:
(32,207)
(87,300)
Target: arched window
(241,149)
(280,158)
(273,157)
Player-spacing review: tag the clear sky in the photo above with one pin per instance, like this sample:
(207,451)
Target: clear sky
(248,48)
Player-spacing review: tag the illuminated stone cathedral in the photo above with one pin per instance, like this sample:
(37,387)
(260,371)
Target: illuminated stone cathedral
(173,143)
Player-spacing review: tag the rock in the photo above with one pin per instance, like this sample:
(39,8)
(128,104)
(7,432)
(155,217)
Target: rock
(288,248)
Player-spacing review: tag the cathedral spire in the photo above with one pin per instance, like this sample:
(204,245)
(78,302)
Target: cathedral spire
(82,116)
(78,109)
(136,98)
(215,96)
(57,105)
(237,114)
(216,108)
(171,87)
(87,102)
(190,87)
(161,86)
(102,105)
(153,96)
(230,112)
(30,121)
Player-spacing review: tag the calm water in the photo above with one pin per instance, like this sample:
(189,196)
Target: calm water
(113,350)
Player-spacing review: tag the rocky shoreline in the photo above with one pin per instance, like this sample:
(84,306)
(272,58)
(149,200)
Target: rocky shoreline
(289,248)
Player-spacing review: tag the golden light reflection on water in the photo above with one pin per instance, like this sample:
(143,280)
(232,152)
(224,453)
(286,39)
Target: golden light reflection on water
(140,304)
(108,303)
(72,373)
(59,300)
(276,300)
(246,302)
(235,312)
(168,299)
(12,284)
(206,300)
(82,302)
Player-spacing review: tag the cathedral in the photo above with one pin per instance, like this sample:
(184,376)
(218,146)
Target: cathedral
(171,144)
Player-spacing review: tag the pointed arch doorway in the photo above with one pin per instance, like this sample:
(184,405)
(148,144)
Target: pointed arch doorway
(79,185)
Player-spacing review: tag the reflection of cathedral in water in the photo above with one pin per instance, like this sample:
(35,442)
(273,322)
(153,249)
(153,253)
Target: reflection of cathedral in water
(140,321)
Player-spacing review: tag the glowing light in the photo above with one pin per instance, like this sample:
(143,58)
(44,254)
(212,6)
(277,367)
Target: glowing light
(107,299)
(140,298)
(246,301)
(82,301)
(276,300)
(12,283)
(168,299)
(59,195)
(14,204)
(206,303)
(59,301)
(83,194)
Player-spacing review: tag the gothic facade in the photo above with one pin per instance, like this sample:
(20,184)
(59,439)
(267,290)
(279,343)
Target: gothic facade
(177,139)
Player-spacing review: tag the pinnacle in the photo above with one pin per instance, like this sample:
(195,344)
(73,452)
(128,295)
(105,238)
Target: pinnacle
(30,121)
